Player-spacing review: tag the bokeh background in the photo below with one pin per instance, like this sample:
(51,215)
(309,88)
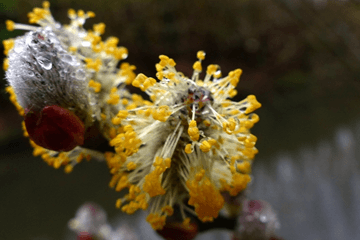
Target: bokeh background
(300,58)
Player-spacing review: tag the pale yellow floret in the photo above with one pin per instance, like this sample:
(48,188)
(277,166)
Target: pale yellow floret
(95,85)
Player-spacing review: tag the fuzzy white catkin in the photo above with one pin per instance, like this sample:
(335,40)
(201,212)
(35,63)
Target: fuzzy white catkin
(315,191)
(42,74)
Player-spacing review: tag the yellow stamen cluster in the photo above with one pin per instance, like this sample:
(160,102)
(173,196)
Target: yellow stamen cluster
(205,197)
(157,222)
(8,45)
(193,123)
(39,14)
(161,113)
(152,183)
(95,85)
(113,97)
(10,25)
(193,131)
(143,82)
(93,64)
(56,160)
(126,143)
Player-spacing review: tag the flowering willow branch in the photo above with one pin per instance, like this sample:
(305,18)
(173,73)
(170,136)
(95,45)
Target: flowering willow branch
(184,148)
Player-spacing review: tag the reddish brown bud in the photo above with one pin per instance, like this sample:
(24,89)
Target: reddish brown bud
(177,231)
(55,128)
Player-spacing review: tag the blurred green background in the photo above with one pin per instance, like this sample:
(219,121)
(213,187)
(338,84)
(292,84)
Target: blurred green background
(300,58)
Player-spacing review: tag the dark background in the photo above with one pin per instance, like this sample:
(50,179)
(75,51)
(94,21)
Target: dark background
(300,58)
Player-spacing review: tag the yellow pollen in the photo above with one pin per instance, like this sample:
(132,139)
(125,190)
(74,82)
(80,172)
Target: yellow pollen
(99,28)
(157,222)
(193,131)
(71,13)
(8,45)
(197,66)
(244,167)
(93,64)
(168,210)
(68,168)
(188,148)
(152,184)
(6,64)
(186,222)
(81,13)
(205,146)
(131,166)
(205,197)
(90,14)
(118,203)
(95,85)
(10,25)
(200,55)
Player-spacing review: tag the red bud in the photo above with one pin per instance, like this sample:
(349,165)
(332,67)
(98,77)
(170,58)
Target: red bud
(55,128)
(177,231)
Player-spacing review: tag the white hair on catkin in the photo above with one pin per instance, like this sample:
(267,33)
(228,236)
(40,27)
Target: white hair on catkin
(43,73)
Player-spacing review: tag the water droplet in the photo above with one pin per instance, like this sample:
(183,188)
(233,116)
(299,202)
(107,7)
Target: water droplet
(80,74)
(263,218)
(30,74)
(44,62)
(69,59)
(85,44)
